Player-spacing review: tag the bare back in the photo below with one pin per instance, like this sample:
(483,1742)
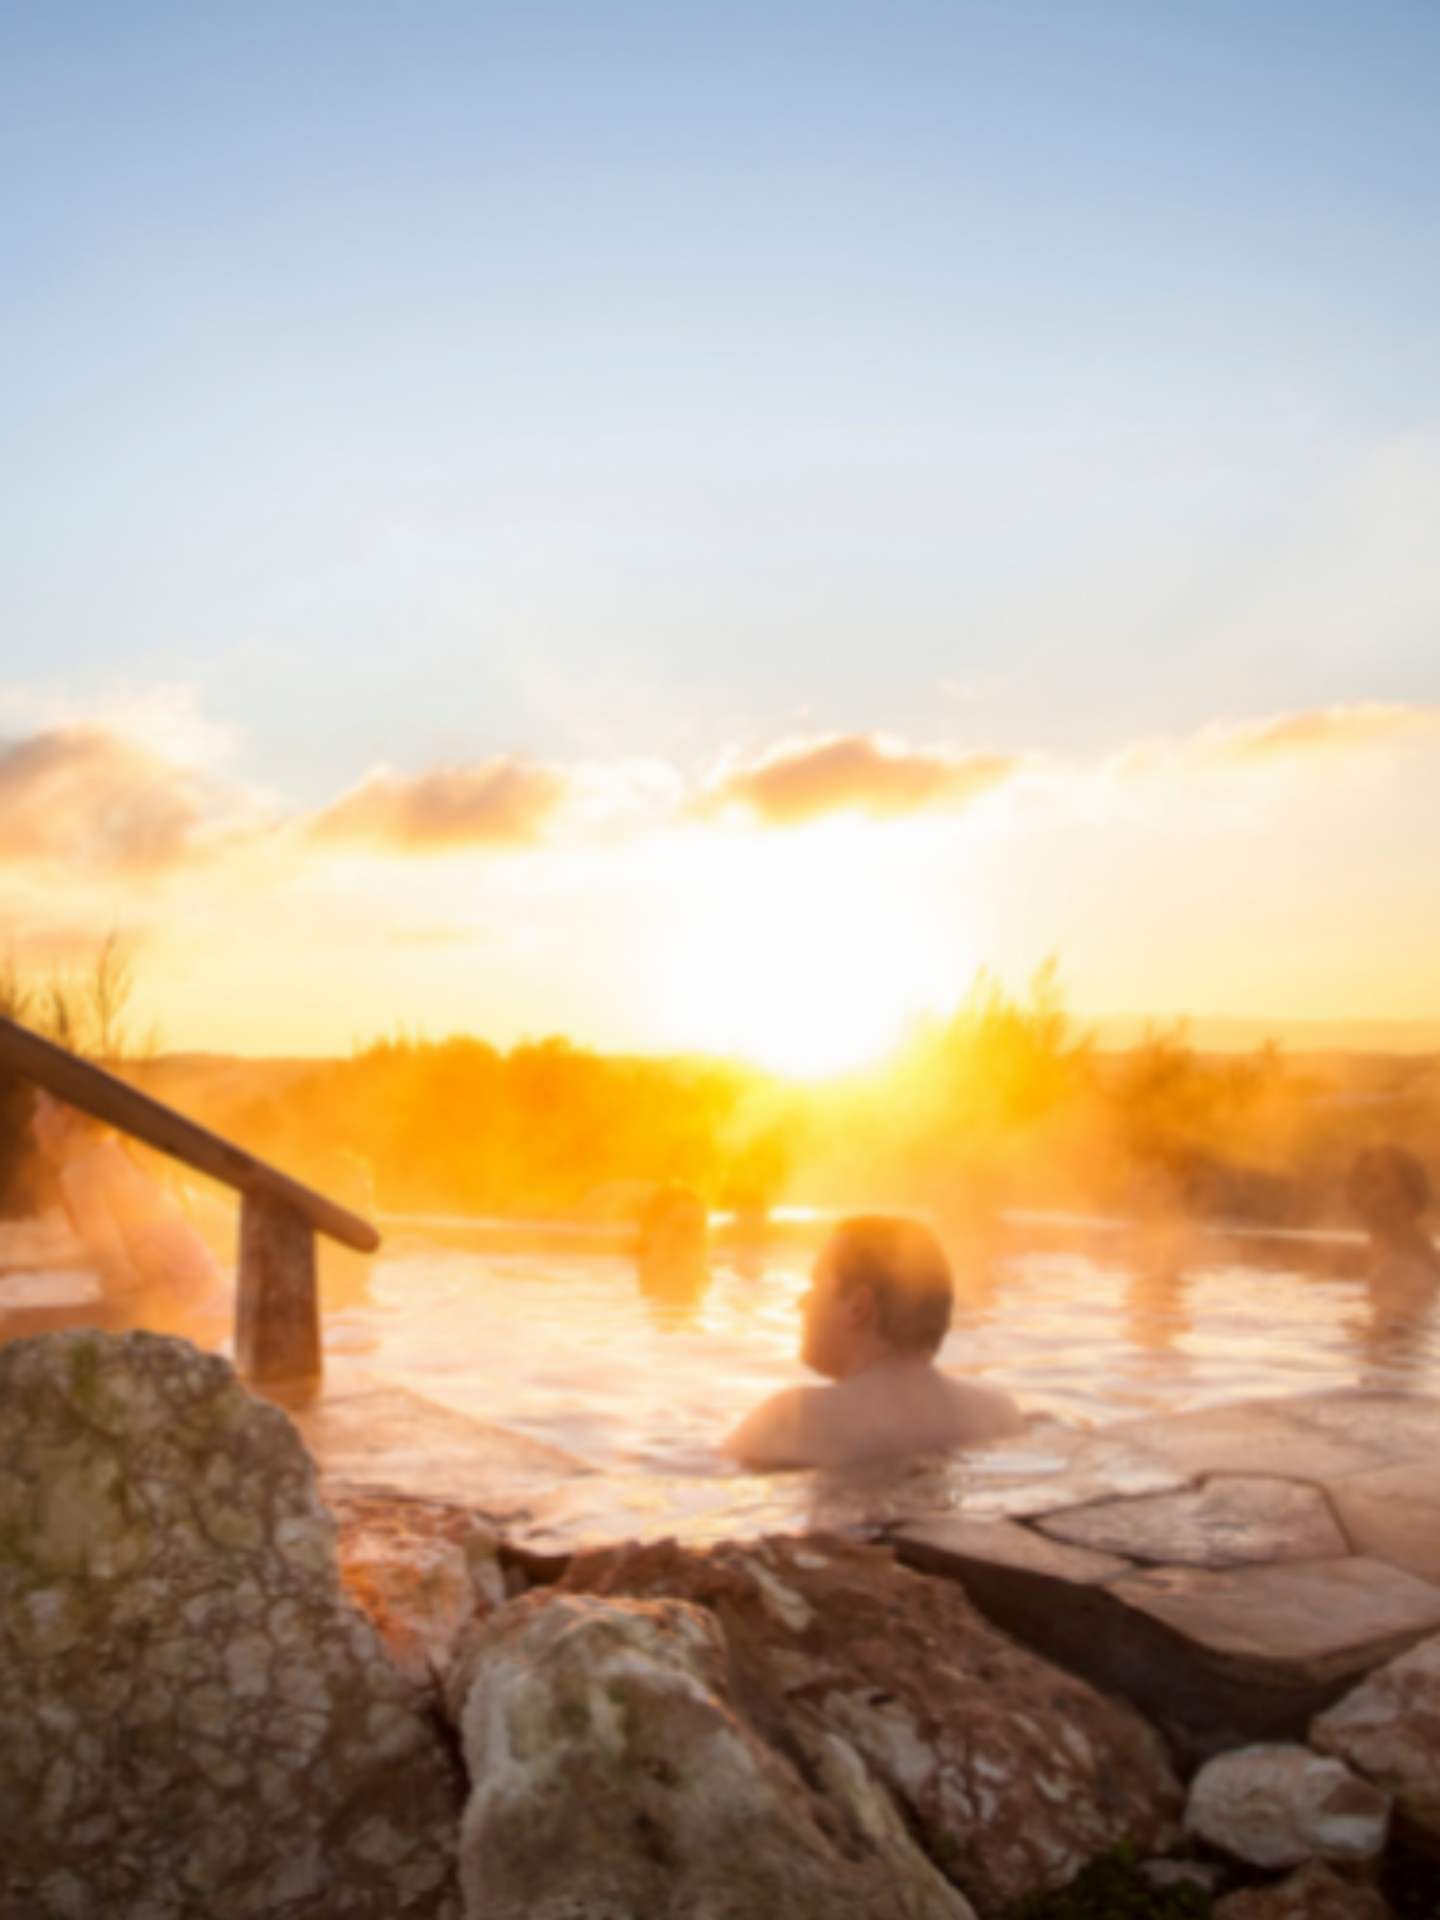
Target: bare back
(897,1406)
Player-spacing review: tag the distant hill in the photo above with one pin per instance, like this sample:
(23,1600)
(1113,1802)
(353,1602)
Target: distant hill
(1241,1033)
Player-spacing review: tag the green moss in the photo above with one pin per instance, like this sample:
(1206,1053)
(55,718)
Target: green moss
(1112,1888)
(84,1366)
(942,1848)
(86,1386)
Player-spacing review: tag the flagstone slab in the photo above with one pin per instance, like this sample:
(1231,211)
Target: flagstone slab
(958,1542)
(1393,1514)
(1401,1426)
(1256,1438)
(367,1436)
(1047,1471)
(1229,1522)
(1204,1704)
(1309,1622)
(608,1510)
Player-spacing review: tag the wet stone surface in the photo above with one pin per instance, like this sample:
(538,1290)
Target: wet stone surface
(1052,1469)
(1394,1514)
(1004,1543)
(1240,1602)
(1396,1426)
(1313,1621)
(1263,1437)
(1229,1522)
(1282,1546)
(370,1437)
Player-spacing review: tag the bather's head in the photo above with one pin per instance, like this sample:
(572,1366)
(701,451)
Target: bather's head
(881,1285)
(672,1248)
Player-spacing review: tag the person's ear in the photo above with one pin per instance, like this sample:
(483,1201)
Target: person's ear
(861,1308)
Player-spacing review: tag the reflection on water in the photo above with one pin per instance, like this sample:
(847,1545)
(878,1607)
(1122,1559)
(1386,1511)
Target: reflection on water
(561,1346)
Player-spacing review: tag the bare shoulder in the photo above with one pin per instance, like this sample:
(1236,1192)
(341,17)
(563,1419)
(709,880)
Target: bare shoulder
(772,1434)
(981,1411)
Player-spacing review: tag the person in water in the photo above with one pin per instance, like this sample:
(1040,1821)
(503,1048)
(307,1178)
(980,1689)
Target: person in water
(672,1250)
(151,1263)
(878,1308)
(1390,1192)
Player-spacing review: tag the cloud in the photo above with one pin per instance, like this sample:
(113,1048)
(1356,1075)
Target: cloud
(1358,727)
(803,780)
(94,797)
(505,802)
(1304,739)
(132,796)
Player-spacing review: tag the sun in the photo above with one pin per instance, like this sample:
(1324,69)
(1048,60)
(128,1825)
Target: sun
(798,953)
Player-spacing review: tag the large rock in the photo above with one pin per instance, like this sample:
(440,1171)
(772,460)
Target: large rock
(1312,1893)
(1281,1806)
(1388,1728)
(193,1717)
(615,1778)
(1013,1774)
(420,1572)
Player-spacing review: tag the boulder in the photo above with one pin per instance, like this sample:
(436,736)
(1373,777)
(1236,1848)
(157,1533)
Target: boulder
(194,1719)
(1012,1773)
(1275,1806)
(420,1573)
(615,1777)
(1312,1893)
(1388,1728)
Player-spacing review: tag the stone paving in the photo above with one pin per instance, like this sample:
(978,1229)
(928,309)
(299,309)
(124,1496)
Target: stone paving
(370,1437)
(1300,1551)
(1232,1570)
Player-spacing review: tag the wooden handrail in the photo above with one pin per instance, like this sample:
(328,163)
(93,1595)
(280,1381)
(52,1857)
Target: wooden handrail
(106,1098)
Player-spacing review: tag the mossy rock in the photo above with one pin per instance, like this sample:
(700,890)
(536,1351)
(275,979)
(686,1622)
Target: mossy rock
(1113,1888)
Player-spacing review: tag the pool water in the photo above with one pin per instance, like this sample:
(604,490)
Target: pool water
(563,1347)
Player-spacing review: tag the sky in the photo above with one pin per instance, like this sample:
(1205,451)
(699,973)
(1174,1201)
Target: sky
(703,527)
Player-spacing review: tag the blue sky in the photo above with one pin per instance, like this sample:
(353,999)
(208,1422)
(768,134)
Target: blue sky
(415,385)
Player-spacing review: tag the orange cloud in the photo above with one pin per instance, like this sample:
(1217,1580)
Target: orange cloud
(1283,740)
(802,780)
(506,802)
(1322,730)
(96,798)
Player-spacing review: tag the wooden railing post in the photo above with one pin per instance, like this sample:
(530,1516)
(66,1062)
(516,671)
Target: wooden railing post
(277,1315)
(277,1308)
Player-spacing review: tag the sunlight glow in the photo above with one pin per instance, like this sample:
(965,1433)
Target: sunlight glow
(800,955)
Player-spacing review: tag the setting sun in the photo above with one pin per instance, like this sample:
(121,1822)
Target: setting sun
(800,955)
